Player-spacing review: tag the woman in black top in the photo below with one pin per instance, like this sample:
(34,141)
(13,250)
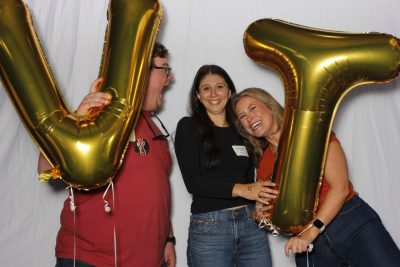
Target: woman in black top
(218,172)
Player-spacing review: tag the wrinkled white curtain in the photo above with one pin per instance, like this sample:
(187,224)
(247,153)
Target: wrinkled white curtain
(196,32)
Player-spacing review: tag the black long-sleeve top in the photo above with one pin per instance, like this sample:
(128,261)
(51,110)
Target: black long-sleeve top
(212,188)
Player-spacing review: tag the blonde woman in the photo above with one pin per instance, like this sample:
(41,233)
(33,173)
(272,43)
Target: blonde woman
(347,230)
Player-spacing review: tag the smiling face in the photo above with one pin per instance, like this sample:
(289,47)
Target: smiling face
(255,117)
(213,93)
(159,78)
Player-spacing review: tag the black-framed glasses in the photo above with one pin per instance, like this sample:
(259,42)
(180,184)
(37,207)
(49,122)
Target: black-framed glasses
(167,70)
(157,137)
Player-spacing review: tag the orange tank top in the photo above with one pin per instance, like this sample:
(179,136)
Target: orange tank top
(266,167)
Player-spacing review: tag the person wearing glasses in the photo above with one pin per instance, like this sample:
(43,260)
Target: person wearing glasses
(217,171)
(138,231)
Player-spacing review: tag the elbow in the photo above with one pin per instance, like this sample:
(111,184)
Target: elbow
(343,191)
(189,187)
(346,190)
(190,190)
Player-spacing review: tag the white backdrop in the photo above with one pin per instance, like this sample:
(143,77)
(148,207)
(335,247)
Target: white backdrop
(196,33)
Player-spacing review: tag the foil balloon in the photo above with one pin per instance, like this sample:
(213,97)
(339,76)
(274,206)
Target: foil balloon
(85,151)
(318,68)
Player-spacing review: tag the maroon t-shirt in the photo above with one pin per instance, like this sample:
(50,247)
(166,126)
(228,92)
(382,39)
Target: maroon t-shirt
(140,214)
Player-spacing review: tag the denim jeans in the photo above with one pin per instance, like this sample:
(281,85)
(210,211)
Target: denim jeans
(70,263)
(227,238)
(356,238)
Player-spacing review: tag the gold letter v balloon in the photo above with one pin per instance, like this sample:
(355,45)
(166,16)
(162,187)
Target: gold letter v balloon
(318,69)
(86,151)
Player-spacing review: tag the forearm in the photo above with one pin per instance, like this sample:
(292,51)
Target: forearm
(239,190)
(169,250)
(336,176)
(171,229)
(260,191)
(196,181)
(333,203)
(187,153)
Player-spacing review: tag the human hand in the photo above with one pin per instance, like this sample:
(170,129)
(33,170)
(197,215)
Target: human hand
(94,98)
(169,254)
(260,191)
(298,244)
(267,192)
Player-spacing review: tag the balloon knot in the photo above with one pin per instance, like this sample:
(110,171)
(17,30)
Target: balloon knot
(51,174)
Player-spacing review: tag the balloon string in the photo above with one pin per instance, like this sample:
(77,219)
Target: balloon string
(309,246)
(107,209)
(71,199)
(265,223)
(309,249)
(73,208)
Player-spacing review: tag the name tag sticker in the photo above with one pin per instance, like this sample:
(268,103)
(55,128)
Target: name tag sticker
(240,151)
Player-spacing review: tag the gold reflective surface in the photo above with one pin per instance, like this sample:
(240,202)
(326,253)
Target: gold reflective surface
(318,68)
(86,151)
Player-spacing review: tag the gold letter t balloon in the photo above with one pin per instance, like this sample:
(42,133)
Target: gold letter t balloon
(86,151)
(318,69)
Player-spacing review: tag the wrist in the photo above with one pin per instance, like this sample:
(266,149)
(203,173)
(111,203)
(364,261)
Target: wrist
(311,231)
(171,239)
(311,234)
(318,224)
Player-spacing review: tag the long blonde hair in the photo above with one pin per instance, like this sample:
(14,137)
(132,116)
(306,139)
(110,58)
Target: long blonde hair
(256,145)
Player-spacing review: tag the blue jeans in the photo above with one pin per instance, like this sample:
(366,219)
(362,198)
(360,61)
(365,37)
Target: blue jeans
(227,238)
(70,263)
(356,237)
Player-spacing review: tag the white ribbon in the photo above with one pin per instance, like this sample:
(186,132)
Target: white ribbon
(107,209)
(73,208)
(265,223)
